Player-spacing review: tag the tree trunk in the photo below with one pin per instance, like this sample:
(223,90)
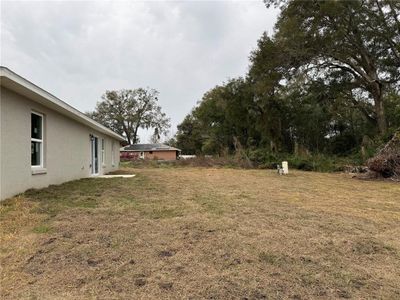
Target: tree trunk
(127,133)
(129,138)
(296,148)
(272,146)
(380,111)
(135,139)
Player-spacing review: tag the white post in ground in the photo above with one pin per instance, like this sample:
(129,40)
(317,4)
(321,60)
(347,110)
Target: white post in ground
(285,167)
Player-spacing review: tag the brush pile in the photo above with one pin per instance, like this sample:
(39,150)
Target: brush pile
(387,162)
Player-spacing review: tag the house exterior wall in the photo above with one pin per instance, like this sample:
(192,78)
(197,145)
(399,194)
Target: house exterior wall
(130,155)
(160,155)
(67,154)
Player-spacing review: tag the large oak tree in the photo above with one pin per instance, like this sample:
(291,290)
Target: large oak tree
(356,40)
(125,111)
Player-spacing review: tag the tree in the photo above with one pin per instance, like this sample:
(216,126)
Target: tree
(357,40)
(327,81)
(189,137)
(267,70)
(222,120)
(125,111)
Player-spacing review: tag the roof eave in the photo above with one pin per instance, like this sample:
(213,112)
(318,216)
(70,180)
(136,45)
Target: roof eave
(22,86)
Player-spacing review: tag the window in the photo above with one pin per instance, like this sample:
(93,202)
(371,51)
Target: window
(103,153)
(36,140)
(112,154)
(151,152)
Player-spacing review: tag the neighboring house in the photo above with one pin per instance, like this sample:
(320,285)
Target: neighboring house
(45,141)
(150,151)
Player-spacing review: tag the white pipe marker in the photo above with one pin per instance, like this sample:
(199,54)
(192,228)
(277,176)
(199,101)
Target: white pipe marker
(285,167)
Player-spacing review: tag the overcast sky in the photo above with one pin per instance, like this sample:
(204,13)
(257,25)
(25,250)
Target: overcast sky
(77,50)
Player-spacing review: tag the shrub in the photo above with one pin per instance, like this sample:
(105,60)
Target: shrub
(317,162)
(260,158)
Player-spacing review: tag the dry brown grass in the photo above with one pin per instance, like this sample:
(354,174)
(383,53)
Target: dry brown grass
(203,233)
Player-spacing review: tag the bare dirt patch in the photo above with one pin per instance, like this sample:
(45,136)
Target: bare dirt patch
(203,233)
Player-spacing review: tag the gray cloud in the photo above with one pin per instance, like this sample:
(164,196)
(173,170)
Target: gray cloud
(77,50)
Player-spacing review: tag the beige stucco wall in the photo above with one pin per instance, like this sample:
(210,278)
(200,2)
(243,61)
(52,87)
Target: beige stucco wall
(66,143)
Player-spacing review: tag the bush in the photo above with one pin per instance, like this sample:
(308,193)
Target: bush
(319,162)
(260,158)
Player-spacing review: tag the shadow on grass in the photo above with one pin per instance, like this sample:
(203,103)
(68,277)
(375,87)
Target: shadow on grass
(82,193)
(90,193)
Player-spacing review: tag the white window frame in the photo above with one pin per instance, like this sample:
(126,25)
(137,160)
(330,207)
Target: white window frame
(93,155)
(141,155)
(103,152)
(40,141)
(112,154)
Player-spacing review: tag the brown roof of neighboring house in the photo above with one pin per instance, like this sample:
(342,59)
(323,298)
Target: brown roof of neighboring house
(149,147)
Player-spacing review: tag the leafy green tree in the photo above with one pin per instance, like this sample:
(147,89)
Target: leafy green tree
(393,110)
(125,111)
(327,81)
(356,40)
(189,137)
(266,76)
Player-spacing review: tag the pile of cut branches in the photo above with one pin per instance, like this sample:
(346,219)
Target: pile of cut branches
(387,162)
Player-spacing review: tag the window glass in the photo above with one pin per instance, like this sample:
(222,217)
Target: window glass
(36,140)
(112,154)
(96,155)
(103,156)
(35,153)
(36,126)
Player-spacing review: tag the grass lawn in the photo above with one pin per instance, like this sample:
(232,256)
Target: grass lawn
(173,233)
